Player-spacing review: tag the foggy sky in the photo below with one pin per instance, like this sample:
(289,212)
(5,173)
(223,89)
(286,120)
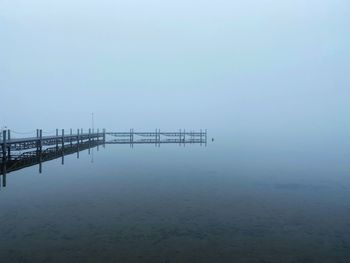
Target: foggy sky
(251,68)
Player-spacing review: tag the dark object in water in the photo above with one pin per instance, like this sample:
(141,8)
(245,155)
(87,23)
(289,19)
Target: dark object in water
(212,139)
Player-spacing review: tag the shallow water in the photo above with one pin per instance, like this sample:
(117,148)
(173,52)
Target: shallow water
(220,203)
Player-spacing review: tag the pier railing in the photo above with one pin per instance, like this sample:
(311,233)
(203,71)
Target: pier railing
(157,137)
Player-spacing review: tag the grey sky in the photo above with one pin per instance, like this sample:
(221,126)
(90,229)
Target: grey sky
(273,68)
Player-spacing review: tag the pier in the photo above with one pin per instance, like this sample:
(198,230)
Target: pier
(158,137)
(9,144)
(18,153)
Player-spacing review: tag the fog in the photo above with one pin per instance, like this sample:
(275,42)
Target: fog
(257,70)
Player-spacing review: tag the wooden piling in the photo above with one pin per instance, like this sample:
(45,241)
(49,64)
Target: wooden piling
(156,137)
(40,140)
(56,139)
(104,137)
(78,143)
(78,136)
(9,147)
(62,139)
(4,145)
(180,137)
(89,136)
(71,139)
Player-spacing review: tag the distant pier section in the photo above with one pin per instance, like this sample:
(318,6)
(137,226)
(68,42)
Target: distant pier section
(158,137)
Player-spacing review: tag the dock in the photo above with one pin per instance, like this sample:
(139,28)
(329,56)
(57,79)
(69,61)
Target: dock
(19,153)
(9,144)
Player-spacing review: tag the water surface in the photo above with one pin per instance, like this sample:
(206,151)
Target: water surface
(220,203)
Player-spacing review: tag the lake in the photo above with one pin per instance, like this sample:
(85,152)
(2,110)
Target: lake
(226,202)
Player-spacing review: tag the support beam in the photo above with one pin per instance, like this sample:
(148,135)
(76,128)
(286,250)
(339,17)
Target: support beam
(57,139)
(78,136)
(62,140)
(4,145)
(9,147)
(71,138)
(41,139)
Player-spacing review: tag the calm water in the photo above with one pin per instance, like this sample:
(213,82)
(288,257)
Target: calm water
(220,203)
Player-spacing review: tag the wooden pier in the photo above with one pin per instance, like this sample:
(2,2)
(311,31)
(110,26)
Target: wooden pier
(8,145)
(18,153)
(157,137)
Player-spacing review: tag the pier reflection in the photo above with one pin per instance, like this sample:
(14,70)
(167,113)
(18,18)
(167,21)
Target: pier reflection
(19,161)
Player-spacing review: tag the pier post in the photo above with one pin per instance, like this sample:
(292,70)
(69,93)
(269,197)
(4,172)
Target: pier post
(82,136)
(40,149)
(62,147)
(40,140)
(78,136)
(184,141)
(56,139)
(201,137)
(37,141)
(156,138)
(62,138)
(104,137)
(70,139)
(4,145)
(98,138)
(9,147)
(180,137)
(78,143)
(131,137)
(89,140)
